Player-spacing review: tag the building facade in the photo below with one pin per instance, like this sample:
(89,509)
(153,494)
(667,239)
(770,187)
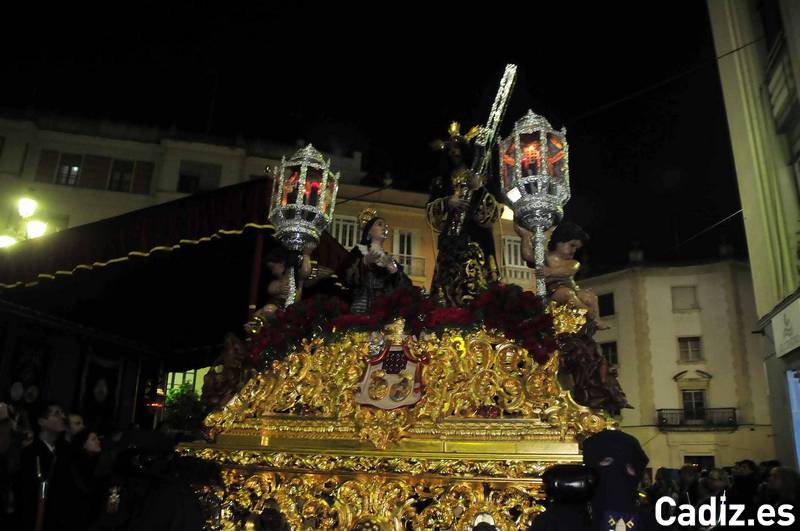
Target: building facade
(83,171)
(758,49)
(681,339)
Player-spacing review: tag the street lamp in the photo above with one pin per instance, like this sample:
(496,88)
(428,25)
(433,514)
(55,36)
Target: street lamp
(24,227)
(26,207)
(35,228)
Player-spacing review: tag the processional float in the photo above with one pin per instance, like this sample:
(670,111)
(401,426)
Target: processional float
(436,418)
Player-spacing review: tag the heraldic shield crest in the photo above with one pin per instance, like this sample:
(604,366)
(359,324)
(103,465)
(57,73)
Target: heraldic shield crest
(393,377)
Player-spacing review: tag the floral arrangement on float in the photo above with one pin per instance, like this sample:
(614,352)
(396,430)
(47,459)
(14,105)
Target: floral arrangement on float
(519,315)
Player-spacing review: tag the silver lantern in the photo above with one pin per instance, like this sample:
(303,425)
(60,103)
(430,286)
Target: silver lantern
(302,205)
(534,175)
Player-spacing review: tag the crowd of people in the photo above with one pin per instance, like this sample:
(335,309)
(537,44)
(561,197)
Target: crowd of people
(58,474)
(745,483)
(617,494)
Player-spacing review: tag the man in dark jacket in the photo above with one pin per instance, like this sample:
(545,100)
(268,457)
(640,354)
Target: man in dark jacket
(43,462)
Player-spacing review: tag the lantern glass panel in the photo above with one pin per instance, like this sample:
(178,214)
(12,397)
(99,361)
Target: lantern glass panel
(291,181)
(531,154)
(313,187)
(556,156)
(507,166)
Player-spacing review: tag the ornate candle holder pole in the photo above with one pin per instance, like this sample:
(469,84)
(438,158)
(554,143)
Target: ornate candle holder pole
(534,174)
(302,205)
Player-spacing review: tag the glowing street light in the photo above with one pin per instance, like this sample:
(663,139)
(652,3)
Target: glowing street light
(7,241)
(36,228)
(26,207)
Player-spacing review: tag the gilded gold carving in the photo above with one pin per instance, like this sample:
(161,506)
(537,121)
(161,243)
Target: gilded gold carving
(330,501)
(477,375)
(567,319)
(417,466)
(473,449)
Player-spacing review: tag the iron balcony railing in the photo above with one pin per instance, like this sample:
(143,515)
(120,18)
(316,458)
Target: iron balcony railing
(719,418)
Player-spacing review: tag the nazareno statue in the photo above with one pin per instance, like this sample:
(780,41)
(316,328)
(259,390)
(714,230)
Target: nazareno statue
(462,210)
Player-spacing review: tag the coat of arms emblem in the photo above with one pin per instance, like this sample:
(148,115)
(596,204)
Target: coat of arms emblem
(393,377)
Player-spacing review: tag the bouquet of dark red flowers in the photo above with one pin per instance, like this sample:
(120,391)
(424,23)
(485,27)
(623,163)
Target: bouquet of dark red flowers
(292,324)
(519,315)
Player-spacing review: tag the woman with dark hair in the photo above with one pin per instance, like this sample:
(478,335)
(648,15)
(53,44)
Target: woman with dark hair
(371,271)
(462,209)
(86,489)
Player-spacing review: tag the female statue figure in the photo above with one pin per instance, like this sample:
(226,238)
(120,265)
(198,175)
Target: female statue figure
(462,210)
(371,271)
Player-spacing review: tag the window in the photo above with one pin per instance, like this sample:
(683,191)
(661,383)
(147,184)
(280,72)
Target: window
(198,177)
(684,298)
(512,252)
(404,245)
(694,404)
(702,462)
(609,350)
(121,176)
(69,167)
(48,162)
(691,348)
(177,379)
(605,302)
(142,175)
(515,270)
(345,230)
(404,248)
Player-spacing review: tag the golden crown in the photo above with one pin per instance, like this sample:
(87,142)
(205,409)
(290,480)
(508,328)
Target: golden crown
(367,215)
(455,132)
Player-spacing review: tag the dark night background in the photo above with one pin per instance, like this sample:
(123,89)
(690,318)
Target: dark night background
(388,78)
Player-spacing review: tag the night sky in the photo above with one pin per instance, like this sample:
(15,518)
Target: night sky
(387,79)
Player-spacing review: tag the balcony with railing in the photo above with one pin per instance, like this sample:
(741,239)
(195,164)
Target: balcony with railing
(414,266)
(522,276)
(706,419)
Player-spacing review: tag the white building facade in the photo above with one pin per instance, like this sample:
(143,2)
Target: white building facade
(681,338)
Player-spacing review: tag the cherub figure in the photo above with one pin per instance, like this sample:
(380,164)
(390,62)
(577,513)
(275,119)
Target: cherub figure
(560,267)
(276,264)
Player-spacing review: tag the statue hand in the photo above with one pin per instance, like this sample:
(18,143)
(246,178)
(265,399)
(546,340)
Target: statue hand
(474,181)
(456,203)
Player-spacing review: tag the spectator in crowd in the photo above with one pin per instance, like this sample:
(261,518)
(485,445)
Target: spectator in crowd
(714,484)
(745,486)
(8,465)
(86,488)
(689,485)
(75,425)
(44,460)
(783,487)
(664,485)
